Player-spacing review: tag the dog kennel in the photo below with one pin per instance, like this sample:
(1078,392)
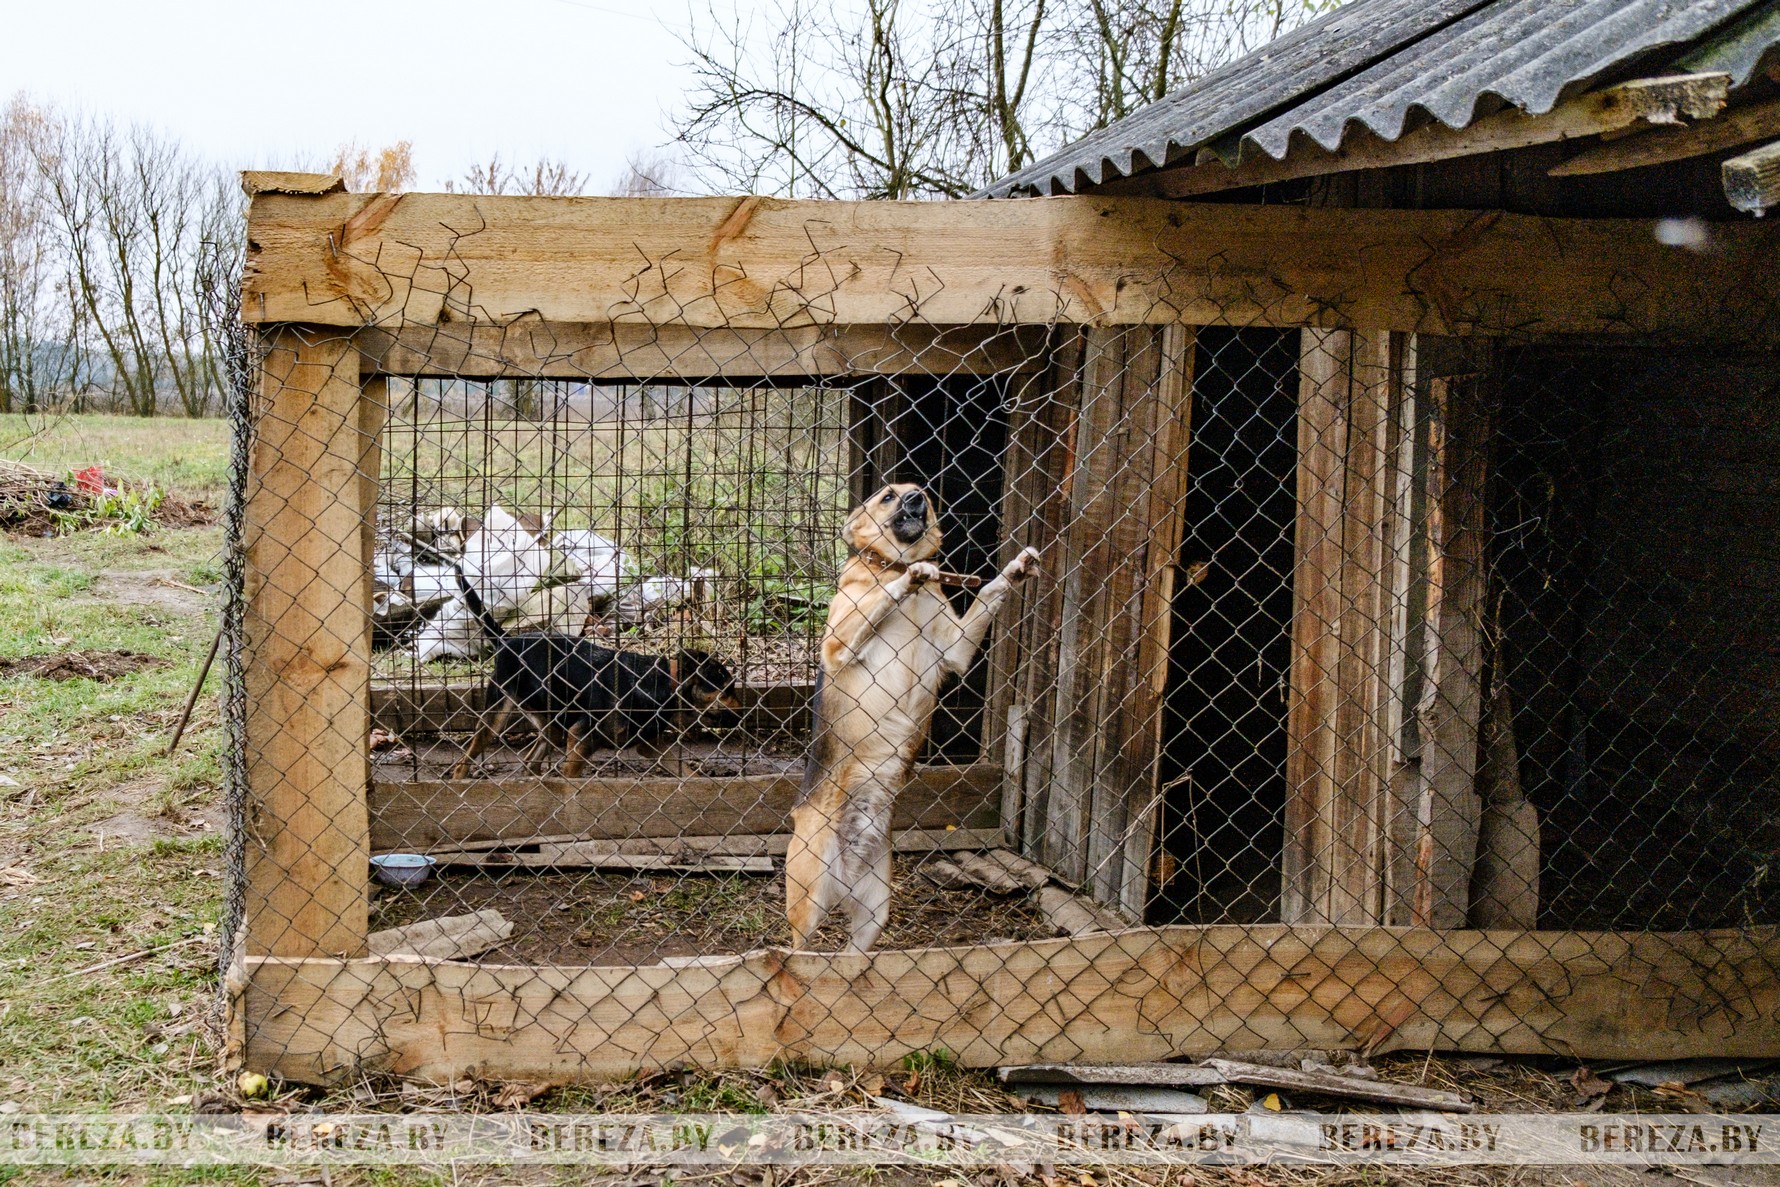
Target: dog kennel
(1397,676)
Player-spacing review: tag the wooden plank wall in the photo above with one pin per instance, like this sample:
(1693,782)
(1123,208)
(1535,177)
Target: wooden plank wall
(1389,591)
(1092,812)
(1347,594)
(1038,475)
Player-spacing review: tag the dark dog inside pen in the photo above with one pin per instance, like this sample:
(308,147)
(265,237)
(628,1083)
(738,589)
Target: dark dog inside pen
(577,694)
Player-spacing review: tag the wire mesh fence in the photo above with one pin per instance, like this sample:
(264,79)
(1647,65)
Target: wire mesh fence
(605,663)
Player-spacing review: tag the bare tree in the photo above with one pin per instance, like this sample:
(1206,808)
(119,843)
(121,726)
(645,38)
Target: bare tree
(34,353)
(649,175)
(543,178)
(107,237)
(892,99)
(386,170)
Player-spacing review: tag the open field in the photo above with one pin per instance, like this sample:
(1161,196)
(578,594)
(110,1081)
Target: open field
(189,458)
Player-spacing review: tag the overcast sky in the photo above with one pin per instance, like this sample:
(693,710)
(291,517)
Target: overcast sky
(259,84)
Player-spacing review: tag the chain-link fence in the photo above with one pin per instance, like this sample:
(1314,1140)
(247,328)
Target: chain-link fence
(585,668)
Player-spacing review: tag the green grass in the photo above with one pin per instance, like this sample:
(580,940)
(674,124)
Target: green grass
(189,458)
(100,837)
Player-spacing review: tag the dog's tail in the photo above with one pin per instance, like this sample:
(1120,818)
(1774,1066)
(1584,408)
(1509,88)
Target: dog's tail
(473,600)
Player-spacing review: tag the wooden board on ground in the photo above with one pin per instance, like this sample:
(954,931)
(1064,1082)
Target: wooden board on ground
(1352,1087)
(1144,993)
(765,263)
(451,937)
(417,817)
(1155,1075)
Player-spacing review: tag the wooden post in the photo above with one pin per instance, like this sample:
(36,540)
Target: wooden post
(1346,667)
(310,501)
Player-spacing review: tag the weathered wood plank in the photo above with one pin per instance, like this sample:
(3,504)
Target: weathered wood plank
(529,348)
(307,630)
(457,708)
(1021,693)
(1658,146)
(416,817)
(1648,101)
(1150,1075)
(1752,179)
(1138,994)
(1450,711)
(452,937)
(1379,1091)
(758,263)
(1347,596)
(908,840)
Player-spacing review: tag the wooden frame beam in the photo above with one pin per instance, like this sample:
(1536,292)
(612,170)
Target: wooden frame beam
(416,817)
(1645,102)
(1752,179)
(1144,993)
(530,348)
(409,260)
(1659,146)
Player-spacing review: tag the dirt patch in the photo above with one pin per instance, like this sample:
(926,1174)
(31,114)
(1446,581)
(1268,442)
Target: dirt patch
(102,666)
(175,512)
(158,589)
(569,917)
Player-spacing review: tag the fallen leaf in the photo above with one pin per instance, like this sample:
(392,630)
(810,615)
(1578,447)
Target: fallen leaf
(872,1085)
(518,1094)
(1070,1101)
(1272,1103)
(1591,1090)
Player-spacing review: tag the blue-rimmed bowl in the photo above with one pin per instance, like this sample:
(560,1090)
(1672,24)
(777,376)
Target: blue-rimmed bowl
(402,869)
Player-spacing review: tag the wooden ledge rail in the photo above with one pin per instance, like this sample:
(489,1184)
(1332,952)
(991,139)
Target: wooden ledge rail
(417,817)
(396,261)
(530,348)
(1141,994)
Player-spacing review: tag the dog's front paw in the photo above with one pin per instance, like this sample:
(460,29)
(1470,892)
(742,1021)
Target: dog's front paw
(1022,566)
(921,572)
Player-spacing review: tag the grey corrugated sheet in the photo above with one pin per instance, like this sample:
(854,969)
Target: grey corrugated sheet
(1374,62)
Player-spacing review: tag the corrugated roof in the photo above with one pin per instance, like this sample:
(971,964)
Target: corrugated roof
(1378,63)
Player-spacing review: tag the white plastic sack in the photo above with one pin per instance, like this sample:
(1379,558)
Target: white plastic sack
(600,562)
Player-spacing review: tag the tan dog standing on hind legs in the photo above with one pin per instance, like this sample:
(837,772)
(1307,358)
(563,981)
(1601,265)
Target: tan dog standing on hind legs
(892,637)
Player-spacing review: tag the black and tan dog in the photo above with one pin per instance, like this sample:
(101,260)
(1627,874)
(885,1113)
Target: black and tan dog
(892,637)
(577,694)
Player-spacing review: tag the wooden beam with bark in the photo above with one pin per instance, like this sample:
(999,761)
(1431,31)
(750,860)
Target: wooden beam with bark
(399,261)
(1137,994)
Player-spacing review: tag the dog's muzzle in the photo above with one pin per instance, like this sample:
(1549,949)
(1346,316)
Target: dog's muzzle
(910,523)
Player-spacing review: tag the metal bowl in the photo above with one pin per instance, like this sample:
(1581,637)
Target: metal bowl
(402,869)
